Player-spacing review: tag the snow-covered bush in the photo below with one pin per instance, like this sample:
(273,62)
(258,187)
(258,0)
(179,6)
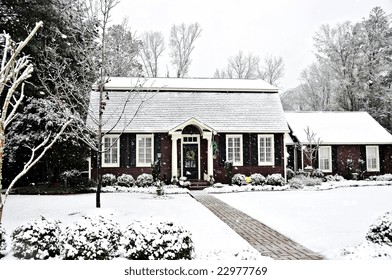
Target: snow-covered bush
(71,173)
(183,182)
(334,178)
(238,179)
(257,179)
(108,180)
(92,238)
(275,180)
(125,180)
(218,185)
(37,239)
(3,243)
(317,173)
(144,180)
(296,183)
(381,231)
(385,177)
(156,241)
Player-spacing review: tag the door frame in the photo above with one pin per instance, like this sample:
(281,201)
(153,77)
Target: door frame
(198,153)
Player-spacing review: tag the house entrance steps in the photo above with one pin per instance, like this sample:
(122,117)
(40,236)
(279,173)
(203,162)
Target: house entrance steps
(263,238)
(198,185)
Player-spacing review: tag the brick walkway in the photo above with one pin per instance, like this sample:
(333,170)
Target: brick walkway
(266,240)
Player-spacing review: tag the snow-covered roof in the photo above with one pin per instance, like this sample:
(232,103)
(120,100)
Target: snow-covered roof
(164,110)
(189,84)
(338,127)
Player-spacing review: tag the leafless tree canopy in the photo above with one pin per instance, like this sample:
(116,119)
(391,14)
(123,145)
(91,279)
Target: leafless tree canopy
(152,48)
(182,43)
(249,66)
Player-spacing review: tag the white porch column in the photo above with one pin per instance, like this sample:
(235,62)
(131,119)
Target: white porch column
(175,137)
(210,159)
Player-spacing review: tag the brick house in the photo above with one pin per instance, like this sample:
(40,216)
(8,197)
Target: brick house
(353,136)
(193,126)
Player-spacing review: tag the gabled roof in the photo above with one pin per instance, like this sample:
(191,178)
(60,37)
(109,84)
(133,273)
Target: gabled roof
(189,84)
(338,127)
(164,110)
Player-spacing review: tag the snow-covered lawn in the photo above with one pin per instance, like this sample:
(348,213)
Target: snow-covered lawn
(324,221)
(212,238)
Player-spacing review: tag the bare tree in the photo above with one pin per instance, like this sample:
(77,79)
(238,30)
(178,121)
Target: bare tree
(14,72)
(152,48)
(312,145)
(249,66)
(182,43)
(272,70)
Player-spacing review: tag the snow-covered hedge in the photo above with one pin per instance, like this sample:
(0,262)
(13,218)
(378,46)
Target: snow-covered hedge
(275,180)
(300,181)
(385,177)
(37,239)
(144,180)
(381,231)
(3,243)
(156,241)
(92,238)
(257,179)
(317,173)
(238,179)
(334,178)
(125,180)
(108,179)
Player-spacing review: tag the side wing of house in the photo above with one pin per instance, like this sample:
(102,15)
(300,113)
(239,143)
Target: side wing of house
(350,142)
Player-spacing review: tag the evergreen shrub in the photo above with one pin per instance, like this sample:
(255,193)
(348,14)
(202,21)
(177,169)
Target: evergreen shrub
(257,179)
(125,180)
(37,239)
(381,231)
(275,180)
(238,179)
(144,180)
(3,243)
(92,238)
(156,241)
(108,180)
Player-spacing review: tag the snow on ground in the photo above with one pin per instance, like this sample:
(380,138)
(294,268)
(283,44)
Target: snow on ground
(212,237)
(323,221)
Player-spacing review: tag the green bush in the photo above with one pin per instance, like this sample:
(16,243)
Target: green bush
(108,180)
(275,180)
(144,180)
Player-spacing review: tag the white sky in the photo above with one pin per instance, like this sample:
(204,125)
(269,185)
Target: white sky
(278,27)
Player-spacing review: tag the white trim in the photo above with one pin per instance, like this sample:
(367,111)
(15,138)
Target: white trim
(192,121)
(377,169)
(329,158)
(198,153)
(266,163)
(144,164)
(235,163)
(112,136)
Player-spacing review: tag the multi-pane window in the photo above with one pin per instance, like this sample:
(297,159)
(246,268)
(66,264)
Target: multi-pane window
(372,158)
(266,149)
(111,151)
(145,148)
(234,149)
(325,158)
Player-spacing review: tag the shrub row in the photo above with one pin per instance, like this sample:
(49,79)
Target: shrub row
(258,180)
(99,238)
(144,180)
